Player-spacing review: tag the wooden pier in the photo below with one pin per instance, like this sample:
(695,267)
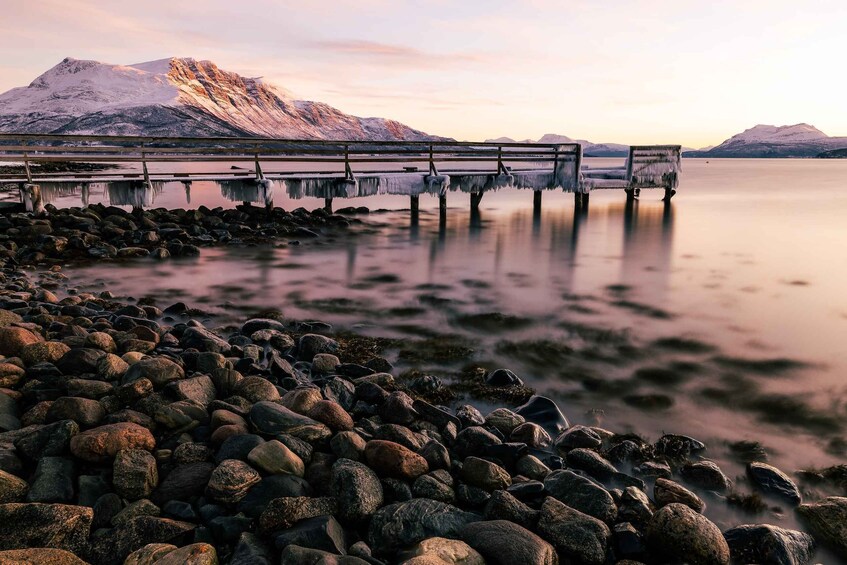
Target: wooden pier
(331,169)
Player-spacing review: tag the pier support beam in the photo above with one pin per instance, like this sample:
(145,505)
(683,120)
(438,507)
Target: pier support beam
(536,201)
(669,192)
(328,205)
(442,204)
(580,200)
(476,197)
(414,204)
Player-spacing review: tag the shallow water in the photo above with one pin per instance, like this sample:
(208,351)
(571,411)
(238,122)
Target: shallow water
(721,316)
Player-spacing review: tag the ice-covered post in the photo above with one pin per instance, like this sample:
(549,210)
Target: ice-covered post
(328,205)
(31,198)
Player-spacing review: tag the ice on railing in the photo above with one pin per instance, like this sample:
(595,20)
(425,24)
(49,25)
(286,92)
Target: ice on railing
(321,187)
(50,191)
(247,190)
(652,167)
(134,193)
(403,184)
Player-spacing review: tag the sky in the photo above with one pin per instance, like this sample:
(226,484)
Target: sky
(637,71)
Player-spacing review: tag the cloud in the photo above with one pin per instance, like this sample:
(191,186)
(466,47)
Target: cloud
(386,54)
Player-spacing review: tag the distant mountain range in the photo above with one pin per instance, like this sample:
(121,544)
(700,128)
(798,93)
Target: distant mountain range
(798,140)
(177,97)
(589,149)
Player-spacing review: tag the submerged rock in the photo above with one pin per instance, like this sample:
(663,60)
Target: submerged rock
(827,520)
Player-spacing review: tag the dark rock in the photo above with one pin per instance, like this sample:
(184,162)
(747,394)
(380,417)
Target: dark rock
(504,506)
(57,526)
(50,440)
(666,492)
(135,474)
(590,462)
(113,547)
(252,550)
(406,523)
(307,556)
(769,545)
(484,474)
(282,513)
(469,416)
(577,436)
(270,488)
(158,370)
(544,412)
(270,418)
(581,493)
(827,521)
(502,377)
(53,481)
(505,543)
(83,411)
(398,408)
(230,481)
(772,481)
(321,532)
(574,534)
(184,482)
(12,488)
(706,475)
(238,447)
(474,441)
(678,533)
(678,447)
(393,460)
(310,345)
(357,489)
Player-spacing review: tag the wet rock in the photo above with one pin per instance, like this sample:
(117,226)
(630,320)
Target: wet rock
(531,434)
(627,541)
(132,510)
(134,474)
(321,532)
(308,556)
(827,521)
(678,447)
(772,481)
(158,370)
(230,481)
(504,420)
(505,543)
(200,390)
(78,361)
(111,367)
(252,550)
(474,441)
(332,415)
(348,445)
(282,513)
(667,492)
(57,526)
(437,485)
(101,341)
(677,532)
(256,389)
(406,523)
(544,412)
(635,507)
(591,462)
(577,436)
(769,545)
(581,493)
(502,377)
(101,444)
(357,489)
(573,533)
(393,460)
(532,467)
(203,340)
(274,457)
(484,474)
(398,408)
(437,456)
(310,345)
(469,416)
(706,475)
(194,554)
(149,554)
(270,418)
(238,447)
(504,506)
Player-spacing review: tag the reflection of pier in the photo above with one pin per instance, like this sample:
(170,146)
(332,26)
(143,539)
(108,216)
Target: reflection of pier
(314,168)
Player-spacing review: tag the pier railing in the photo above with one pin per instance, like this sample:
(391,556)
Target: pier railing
(330,169)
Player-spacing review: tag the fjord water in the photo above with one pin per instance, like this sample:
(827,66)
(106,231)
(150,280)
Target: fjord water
(722,316)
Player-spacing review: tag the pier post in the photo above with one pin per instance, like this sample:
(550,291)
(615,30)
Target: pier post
(476,197)
(31,198)
(536,201)
(669,192)
(630,194)
(328,205)
(414,204)
(442,204)
(580,200)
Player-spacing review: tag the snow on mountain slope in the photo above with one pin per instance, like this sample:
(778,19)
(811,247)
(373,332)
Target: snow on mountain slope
(588,148)
(778,134)
(177,96)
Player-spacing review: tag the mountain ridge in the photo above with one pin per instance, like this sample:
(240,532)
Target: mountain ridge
(178,96)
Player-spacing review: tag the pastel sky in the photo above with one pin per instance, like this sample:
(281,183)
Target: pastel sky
(638,71)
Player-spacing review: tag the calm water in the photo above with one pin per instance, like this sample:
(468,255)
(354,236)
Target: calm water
(722,316)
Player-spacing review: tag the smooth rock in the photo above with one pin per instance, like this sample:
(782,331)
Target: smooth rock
(679,533)
(357,489)
(101,444)
(574,534)
(406,523)
(274,457)
(581,493)
(769,545)
(774,482)
(502,542)
(827,521)
(393,460)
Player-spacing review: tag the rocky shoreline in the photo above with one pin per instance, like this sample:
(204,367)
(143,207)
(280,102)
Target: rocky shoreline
(131,433)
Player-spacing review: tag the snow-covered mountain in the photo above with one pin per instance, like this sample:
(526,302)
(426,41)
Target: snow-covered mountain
(798,140)
(589,149)
(177,97)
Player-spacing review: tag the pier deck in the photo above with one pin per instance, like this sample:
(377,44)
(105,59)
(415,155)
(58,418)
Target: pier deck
(327,169)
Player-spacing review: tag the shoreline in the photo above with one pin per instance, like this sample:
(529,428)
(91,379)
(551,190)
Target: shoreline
(172,433)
